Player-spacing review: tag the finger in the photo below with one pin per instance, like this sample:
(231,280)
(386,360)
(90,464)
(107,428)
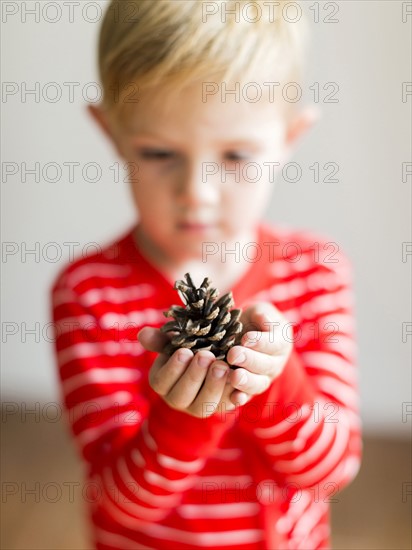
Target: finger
(248,382)
(166,371)
(210,394)
(254,361)
(225,401)
(239,397)
(152,339)
(184,392)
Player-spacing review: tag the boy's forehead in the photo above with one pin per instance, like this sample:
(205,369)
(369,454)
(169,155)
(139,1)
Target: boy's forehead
(228,116)
(248,138)
(242,131)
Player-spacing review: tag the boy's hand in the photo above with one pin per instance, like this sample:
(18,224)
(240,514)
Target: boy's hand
(193,383)
(187,385)
(263,353)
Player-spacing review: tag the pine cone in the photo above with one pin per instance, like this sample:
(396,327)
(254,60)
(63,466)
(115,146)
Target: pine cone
(205,323)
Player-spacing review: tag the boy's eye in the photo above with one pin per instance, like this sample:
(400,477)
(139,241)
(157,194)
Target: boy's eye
(236,156)
(156,154)
(160,154)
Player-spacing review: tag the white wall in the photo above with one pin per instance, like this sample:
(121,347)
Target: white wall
(367,133)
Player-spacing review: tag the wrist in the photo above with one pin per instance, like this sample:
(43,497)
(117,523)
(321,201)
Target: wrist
(182,435)
(288,391)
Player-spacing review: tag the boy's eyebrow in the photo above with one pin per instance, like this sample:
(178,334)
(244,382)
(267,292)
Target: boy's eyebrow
(135,134)
(241,142)
(234,142)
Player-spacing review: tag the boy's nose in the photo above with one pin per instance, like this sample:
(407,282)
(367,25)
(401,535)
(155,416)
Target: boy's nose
(194,188)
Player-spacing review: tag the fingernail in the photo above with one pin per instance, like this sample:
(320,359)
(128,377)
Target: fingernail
(219,372)
(204,361)
(183,356)
(239,359)
(243,379)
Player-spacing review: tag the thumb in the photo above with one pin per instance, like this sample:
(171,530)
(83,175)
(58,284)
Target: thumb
(262,316)
(152,339)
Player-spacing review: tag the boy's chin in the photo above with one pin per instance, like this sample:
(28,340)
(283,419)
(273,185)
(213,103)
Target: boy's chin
(191,250)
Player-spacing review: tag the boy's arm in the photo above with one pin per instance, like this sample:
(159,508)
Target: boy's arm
(307,422)
(144,456)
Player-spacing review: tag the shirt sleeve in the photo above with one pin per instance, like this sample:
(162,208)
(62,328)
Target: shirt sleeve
(307,424)
(142,453)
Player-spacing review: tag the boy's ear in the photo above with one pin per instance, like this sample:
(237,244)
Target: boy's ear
(300,124)
(102,121)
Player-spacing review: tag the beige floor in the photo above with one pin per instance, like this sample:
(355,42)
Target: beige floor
(38,455)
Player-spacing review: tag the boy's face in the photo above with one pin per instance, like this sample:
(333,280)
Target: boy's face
(200,170)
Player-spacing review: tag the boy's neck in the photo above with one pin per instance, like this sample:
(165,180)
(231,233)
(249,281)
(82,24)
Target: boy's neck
(223,274)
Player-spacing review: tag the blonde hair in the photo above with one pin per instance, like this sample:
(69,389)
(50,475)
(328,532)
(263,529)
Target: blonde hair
(160,44)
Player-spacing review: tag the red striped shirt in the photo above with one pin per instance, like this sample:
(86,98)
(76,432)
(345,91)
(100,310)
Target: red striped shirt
(260,477)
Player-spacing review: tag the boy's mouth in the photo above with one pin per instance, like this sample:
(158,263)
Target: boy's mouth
(192,226)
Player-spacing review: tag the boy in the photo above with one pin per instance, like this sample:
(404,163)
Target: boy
(182,451)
